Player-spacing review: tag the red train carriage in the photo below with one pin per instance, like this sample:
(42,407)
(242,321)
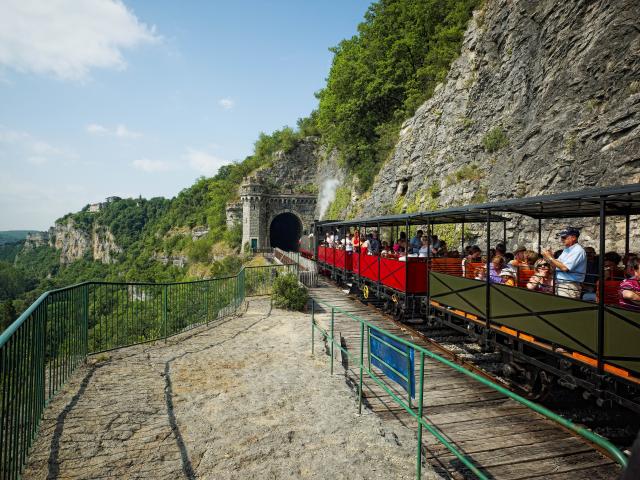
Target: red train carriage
(544,338)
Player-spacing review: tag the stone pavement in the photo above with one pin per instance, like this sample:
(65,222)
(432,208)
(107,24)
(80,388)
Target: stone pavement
(239,399)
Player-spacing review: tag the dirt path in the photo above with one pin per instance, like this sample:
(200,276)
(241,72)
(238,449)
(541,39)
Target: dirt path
(242,399)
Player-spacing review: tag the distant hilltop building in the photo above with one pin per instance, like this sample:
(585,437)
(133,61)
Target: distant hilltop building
(96,207)
(270,219)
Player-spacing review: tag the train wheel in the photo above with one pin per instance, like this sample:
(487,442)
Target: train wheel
(537,383)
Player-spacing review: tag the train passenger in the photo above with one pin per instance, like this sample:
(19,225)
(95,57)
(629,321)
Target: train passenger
(474,256)
(519,257)
(570,266)
(629,290)
(495,268)
(627,257)
(612,270)
(348,243)
(416,242)
(356,240)
(454,254)
(367,241)
(542,279)
(401,245)
(386,249)
(532,257)
(436,244)
(423,251)
(501,249)
(509,276)
(374,244)
(327,239)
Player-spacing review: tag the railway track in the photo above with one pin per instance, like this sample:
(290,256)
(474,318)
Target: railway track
(523,450)
(614,423)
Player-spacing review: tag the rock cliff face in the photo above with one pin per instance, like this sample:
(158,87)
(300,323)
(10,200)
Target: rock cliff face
(544,98)
(35,240)
(74,243)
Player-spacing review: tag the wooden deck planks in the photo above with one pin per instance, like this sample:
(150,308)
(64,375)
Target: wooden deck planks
(503,437)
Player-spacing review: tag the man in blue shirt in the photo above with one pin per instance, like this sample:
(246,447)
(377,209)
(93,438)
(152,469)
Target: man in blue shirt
(416,242)
(571,265)
(374,244)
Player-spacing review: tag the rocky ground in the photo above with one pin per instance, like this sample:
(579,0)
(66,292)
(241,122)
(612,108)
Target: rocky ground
(241,399)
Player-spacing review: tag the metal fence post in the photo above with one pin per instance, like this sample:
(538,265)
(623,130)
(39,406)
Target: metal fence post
(361,367)
(331,347)
(420,402)
(206,300)
(164,311)
(313,326)
(85,319)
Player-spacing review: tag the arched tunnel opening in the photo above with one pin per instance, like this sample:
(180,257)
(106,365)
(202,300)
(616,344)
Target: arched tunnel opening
(285,231)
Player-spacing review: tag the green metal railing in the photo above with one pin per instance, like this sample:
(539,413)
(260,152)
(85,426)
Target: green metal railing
(42,348)
(363,364)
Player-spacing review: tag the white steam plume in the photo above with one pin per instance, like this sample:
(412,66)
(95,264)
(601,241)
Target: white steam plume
(327,194)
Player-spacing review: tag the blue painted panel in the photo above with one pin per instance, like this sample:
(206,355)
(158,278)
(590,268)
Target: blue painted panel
(379,346)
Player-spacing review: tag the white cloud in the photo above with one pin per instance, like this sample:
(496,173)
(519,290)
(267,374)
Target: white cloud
(204,162)
(119,131)
(97,129)
(68,38)
(122,132)
(20,145)
(227,103)
(147,165)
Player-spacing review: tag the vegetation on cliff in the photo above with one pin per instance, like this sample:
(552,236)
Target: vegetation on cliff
(380,76)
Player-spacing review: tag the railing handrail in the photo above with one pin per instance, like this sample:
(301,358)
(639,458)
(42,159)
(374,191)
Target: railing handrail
(11,329)
(59,331)
(602,442)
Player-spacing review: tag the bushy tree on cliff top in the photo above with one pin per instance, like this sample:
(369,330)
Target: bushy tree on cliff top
(380,76)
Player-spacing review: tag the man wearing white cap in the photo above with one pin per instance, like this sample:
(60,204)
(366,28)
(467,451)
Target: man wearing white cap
(571,266)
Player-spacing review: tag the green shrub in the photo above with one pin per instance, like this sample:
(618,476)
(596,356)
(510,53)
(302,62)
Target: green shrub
(288,293)
(495,139)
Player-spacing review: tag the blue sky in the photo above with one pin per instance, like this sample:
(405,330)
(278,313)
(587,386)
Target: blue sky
(142,97)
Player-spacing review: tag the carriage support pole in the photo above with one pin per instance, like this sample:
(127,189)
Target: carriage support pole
(539,236)
(627,231)
(601,289)
(488,285)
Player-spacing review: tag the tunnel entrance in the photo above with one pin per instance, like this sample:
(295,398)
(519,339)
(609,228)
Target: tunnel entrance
(285,231)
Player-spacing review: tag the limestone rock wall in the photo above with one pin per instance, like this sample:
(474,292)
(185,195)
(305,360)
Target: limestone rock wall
(35,240)
(544,98)
(75,243)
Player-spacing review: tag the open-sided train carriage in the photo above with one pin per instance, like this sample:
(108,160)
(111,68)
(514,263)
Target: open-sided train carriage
(544,338)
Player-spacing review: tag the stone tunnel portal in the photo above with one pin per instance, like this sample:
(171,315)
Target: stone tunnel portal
(285,231)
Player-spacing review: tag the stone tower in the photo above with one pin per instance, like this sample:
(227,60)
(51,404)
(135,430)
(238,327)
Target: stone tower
(271,219)
(253,212)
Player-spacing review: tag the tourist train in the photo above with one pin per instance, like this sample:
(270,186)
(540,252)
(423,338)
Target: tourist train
(588,339)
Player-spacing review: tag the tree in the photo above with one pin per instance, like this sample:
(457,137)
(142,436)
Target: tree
(380,76)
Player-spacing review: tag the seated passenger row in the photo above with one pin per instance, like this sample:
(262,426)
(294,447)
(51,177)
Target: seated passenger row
(570,272)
